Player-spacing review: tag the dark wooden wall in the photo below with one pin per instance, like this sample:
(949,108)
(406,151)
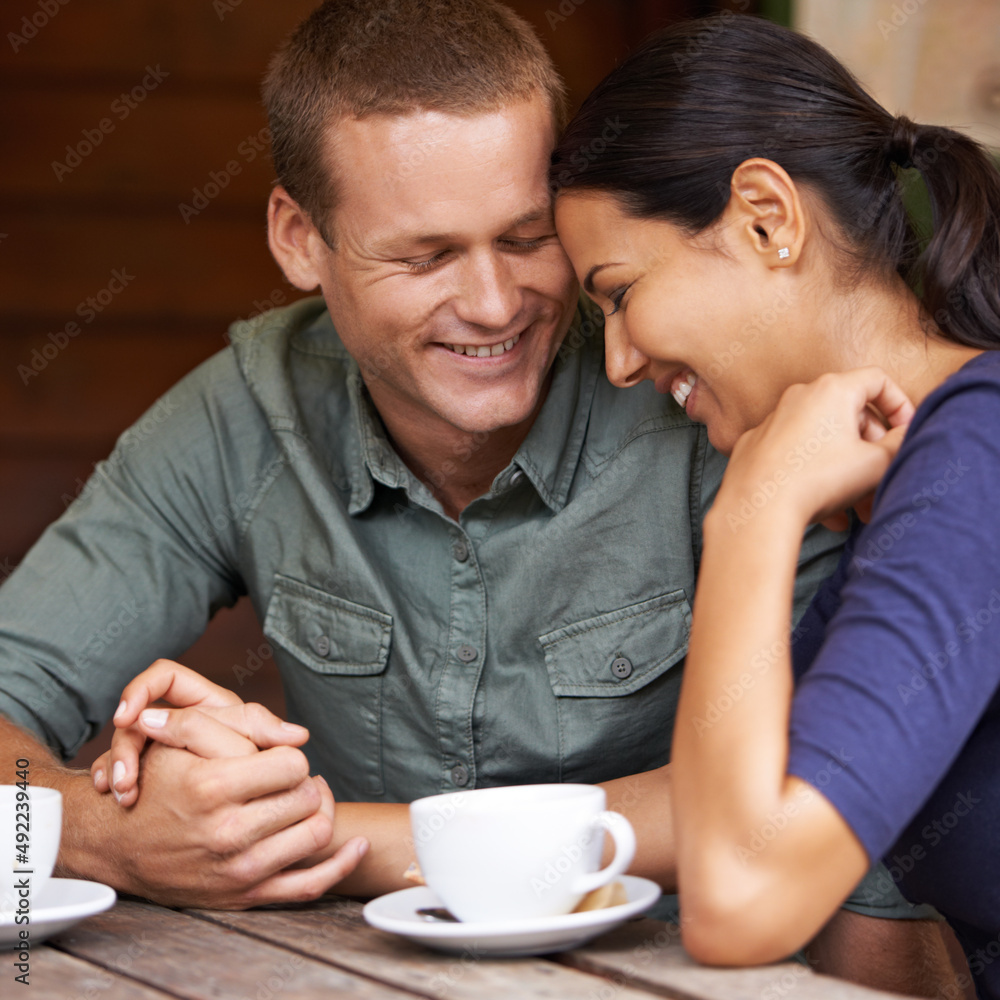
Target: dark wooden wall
(155,99)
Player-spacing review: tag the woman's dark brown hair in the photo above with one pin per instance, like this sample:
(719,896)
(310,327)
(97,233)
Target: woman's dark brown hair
(666,129)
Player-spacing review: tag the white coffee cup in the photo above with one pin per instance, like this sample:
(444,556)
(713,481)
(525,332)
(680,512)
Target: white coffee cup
(30,828)
(518,852)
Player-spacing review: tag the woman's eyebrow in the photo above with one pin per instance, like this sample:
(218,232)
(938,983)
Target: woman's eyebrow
(588,282)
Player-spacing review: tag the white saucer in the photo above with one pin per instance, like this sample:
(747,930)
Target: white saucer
(397,913)
(62,903)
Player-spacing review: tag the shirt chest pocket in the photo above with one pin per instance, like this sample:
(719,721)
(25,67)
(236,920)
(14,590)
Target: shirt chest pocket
(615,693)
(344,648)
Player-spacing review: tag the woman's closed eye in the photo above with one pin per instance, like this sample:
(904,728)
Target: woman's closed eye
(616,298)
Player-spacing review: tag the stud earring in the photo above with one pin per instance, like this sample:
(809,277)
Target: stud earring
(784,253)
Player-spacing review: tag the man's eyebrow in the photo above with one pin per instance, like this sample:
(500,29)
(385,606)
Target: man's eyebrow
(536,215)
(588,282)
(401,243)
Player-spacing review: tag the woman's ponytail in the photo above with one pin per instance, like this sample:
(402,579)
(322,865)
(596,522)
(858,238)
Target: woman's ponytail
(959,271)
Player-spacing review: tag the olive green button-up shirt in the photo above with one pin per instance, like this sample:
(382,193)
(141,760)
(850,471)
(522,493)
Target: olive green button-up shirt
(540,637)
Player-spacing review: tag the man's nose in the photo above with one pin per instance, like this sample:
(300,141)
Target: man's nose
(490,295)
(624,363)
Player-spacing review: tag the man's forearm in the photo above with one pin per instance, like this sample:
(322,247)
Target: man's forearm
(386,826)
(84,850)
(644,800)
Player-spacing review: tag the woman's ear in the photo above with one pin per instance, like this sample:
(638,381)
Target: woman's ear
(296,244)
(766,208)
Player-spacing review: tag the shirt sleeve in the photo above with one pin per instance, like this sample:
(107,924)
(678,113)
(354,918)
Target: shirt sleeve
(135,567)
(910,660)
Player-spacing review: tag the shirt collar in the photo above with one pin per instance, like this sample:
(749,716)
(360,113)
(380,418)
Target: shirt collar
(548,456)
(375,460)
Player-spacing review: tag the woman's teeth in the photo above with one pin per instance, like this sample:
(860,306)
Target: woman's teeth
(682,387)
(485,352)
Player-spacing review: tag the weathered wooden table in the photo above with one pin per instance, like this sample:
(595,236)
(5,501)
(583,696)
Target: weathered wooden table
(138,951)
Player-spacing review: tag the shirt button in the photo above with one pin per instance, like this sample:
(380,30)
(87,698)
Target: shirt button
(321,645)
(515,477)
(460,550)
(467,653)
(621,667)
(460,775)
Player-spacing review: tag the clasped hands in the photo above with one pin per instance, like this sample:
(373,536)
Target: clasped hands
(223,809)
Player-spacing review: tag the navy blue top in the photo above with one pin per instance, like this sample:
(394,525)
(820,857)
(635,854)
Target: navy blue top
(896,718)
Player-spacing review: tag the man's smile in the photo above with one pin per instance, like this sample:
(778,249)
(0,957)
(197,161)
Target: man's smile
(488,356)
(485,350)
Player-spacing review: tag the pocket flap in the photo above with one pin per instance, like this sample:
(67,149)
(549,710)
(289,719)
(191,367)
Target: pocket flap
(619,652)
(326,633)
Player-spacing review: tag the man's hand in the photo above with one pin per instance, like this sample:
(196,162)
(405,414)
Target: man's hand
(217,833)
(221,832)
(237,812)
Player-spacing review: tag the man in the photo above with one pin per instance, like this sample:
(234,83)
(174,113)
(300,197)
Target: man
(474,557)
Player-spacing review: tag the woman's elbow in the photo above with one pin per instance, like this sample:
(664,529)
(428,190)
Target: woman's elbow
(733,924)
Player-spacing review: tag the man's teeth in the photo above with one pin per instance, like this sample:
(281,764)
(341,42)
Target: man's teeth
(485,352)
(682,389)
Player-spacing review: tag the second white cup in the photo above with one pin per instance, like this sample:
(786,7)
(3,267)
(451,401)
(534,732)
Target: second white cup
(519,852)
(30,829)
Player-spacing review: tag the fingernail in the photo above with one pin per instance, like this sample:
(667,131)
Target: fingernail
(321,778)
(154,718)
(120,710)
(118,797)
(98,777)
(117,773)
(363,848)
(290,727)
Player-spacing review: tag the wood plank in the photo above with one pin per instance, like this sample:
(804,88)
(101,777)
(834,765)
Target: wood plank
(95,385)
(231,41)
(173,145)
(226,46)
(648,955)
(33,493)
(197,960)
(334,930)
(585,40)
(55,976)
(210,271)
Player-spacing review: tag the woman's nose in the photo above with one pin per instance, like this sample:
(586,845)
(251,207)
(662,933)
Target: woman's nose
(626,366)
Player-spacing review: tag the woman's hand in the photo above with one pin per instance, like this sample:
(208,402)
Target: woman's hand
(209,720)
(824,448)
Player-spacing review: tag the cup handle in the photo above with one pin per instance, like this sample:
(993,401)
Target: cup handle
(624,837)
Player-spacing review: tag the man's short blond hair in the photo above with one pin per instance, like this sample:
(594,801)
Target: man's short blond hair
(353,58)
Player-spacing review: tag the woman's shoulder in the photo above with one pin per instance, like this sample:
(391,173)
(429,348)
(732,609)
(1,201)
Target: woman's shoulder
(980,376)
(954,438)
(965,407)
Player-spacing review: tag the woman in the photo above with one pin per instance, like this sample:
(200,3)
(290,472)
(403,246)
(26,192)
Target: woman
(745,233)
